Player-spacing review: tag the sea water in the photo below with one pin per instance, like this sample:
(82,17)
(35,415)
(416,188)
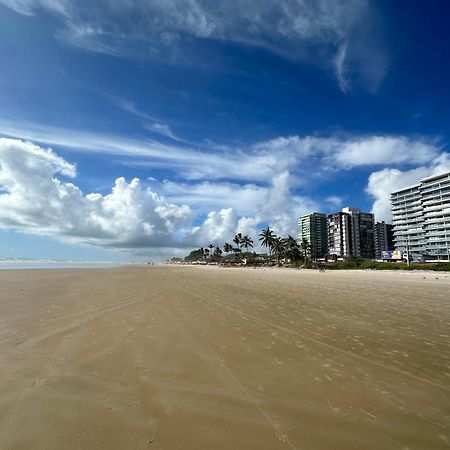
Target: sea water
(17,263)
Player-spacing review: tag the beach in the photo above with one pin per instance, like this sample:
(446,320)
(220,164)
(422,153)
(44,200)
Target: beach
(182,357)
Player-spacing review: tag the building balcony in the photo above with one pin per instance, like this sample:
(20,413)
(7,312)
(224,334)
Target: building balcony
(429,188)
(442,197)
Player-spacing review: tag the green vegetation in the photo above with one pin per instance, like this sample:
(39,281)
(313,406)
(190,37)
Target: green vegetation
(282,248)
(355,264)
(215,254)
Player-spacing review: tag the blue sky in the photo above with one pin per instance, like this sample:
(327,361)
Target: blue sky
(231,116)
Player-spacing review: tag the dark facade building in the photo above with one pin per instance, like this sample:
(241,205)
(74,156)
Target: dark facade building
(339,235)
(351,233)
(384,238)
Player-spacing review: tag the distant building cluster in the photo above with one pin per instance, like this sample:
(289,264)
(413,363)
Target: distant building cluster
(347,233)
(420,230)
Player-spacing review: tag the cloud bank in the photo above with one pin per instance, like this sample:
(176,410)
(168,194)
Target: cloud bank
(257,163)
(36,199)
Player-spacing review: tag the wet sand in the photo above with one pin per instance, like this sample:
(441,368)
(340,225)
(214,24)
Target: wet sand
(210,358)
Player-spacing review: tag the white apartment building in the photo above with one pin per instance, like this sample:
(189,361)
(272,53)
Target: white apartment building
(421,218)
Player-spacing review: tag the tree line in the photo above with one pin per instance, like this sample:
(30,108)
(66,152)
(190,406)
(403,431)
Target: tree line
(278,246)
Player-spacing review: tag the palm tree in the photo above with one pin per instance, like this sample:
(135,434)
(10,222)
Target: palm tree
(266,238)
(246,242)
(217,253)
(278,247)
(238,240)
(227,248)
(292,247)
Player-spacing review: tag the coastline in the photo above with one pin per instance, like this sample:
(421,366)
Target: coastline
(25,264)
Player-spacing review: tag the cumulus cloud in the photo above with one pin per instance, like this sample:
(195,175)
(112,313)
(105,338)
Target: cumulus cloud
(283,208)
(278,207)
(218,226)
(36,200)
(383,182)
(322,30)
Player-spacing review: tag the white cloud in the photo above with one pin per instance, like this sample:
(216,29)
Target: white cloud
(24,7)
(283,209)
(383,182)
(35,200)
(275,205)
(161,128)
(218,227)
(298,30)
(374,150)
(259,161)
(339,65)
(188,162)
(346,152)
(29,7)
(244,199)
(306,158)
(334,201)
(149,122)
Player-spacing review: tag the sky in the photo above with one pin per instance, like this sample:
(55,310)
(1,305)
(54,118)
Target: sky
(139,130)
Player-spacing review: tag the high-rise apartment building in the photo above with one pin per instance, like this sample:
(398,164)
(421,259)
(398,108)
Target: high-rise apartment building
(351,233)
(384,238)
(339,235)
(313,228)
(421,218)
(407,215)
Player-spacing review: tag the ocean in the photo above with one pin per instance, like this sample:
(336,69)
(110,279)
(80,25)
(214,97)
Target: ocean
(55,264)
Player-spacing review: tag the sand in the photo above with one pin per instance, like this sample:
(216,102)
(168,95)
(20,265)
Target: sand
(212,358)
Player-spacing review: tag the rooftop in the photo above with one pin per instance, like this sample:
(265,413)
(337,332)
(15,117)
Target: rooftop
(436,177)
(430,178)
(405,188)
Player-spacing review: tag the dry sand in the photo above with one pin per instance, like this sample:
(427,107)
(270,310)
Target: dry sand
(210,358)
